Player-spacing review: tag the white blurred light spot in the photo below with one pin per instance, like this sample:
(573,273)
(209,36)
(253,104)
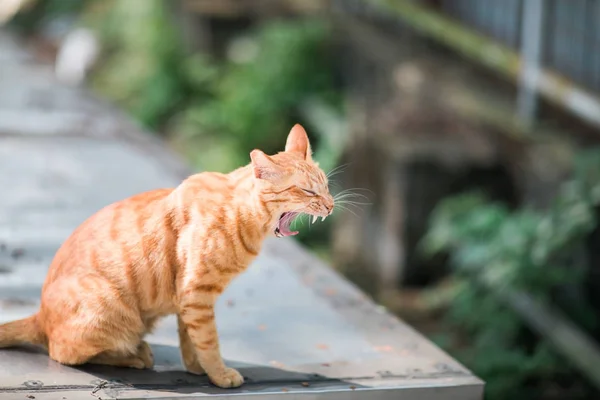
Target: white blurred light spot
(408,77)
(242,50)
(76,55)
(8,9)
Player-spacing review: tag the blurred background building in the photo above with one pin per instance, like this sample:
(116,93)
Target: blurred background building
(463,132)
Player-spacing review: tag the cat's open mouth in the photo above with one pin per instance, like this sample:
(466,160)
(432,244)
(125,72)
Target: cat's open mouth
(283,225)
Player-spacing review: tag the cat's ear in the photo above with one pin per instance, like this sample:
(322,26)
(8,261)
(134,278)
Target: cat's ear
(297,142)
(264,167)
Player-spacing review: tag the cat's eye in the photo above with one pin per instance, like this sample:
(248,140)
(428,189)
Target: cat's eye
(309,192)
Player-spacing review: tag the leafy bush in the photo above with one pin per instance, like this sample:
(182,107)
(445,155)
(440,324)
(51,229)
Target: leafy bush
(143,68)
(214,112)
(252,103)
(527,250)
(220,110)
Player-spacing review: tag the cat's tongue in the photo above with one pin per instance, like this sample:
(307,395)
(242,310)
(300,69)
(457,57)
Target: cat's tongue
(284,224)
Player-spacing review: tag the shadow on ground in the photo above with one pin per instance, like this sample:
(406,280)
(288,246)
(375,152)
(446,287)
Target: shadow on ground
(168,376)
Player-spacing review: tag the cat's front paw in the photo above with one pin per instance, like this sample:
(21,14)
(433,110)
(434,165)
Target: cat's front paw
(145,354)
(195,368)
(228,378)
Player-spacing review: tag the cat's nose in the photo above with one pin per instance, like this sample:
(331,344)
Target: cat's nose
(329,206)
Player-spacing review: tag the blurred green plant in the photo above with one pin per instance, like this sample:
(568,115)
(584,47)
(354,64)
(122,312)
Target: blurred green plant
(526,250)
(255,103)
(143,67)
(219,110)
(216,111)
(213,111)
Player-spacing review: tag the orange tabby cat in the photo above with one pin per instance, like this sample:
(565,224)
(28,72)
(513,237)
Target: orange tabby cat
(169,251)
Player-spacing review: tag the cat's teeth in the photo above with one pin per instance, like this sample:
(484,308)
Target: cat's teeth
(323,218)
(314,219)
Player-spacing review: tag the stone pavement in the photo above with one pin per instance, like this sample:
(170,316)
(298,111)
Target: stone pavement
(290,323)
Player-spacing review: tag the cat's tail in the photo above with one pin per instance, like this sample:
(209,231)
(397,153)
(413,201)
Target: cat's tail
(23,331)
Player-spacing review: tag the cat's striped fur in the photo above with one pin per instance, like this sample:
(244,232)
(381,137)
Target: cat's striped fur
(169,251)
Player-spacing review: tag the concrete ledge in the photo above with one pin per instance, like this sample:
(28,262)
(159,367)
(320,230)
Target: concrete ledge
(291,323)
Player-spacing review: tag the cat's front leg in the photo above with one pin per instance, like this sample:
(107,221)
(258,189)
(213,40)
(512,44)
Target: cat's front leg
(188,351)
(199,319)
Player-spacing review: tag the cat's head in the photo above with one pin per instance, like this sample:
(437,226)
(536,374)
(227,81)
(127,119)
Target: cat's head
(292,182)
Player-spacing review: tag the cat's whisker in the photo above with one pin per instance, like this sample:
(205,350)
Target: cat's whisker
(339,166)
(350,196)
(348,193)
(356,206)
(352,199)
(353,192)
(353,203)
(299,217)
(346,209)
(343,207)
(337,170)
(351,206)
(330,177)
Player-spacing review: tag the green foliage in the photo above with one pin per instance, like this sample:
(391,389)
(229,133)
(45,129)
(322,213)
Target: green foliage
(252,102)
(214,112)
(524,249)
(143,68)
(219,110)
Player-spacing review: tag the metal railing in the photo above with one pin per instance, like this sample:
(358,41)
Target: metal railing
(550,47)
(570,31)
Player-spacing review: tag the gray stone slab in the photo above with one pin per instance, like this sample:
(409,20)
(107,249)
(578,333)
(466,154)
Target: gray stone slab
(291,324)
